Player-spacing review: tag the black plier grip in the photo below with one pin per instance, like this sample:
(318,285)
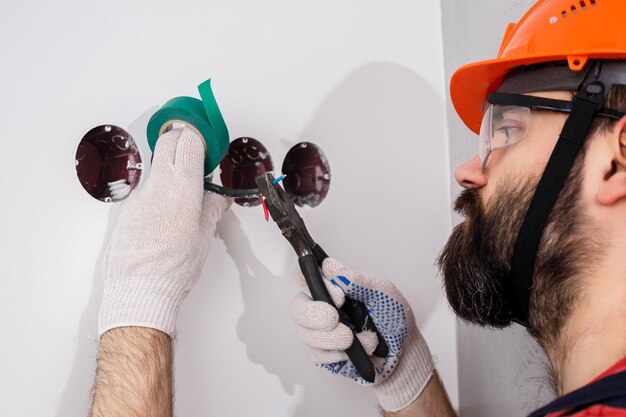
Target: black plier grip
(310,257)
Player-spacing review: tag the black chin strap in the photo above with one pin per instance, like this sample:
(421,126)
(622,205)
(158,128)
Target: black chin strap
(518,284)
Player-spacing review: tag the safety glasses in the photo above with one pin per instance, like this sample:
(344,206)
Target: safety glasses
(506,120)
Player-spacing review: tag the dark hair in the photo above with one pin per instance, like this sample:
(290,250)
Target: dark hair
(556,289)
(615,100)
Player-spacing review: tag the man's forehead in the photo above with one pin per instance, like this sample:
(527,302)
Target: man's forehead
(556,95)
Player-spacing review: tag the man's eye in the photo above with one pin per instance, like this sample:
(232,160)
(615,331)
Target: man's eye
(506,134)
(508,131)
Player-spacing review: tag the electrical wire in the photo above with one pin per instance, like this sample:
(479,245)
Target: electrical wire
(118,189)
(232,192)
(266,212)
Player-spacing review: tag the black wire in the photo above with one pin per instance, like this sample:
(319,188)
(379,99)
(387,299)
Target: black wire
(231,192)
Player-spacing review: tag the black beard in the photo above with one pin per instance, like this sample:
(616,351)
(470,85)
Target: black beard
(475,259)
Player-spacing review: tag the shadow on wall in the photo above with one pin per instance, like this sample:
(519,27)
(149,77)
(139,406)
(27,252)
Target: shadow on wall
(372,127)
(383,131)
(80,382)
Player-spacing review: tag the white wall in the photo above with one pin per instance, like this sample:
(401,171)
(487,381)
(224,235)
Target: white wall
(501,372)
(363,79)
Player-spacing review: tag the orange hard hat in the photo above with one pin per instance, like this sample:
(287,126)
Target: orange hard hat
(552,30)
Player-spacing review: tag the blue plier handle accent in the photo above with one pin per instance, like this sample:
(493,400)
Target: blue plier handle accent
(310,257)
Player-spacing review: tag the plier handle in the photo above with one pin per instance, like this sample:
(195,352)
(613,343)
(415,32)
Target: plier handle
(310,257)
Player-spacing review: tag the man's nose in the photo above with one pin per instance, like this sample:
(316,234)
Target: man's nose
(470,174)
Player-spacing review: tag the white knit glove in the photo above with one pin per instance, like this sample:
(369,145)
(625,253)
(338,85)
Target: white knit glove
(403,374)
(161,238)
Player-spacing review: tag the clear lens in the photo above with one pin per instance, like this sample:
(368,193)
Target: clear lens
(502,127)
(484,143)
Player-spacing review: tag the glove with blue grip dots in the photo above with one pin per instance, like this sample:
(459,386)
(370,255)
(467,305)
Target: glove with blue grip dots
(404,372)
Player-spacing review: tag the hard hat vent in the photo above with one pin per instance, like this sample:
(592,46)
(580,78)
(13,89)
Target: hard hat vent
(581,6)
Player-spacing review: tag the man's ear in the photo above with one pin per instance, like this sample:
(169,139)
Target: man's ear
(613,186)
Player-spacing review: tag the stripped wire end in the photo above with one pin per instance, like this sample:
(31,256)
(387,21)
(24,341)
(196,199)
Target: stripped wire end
(266,212)
(279,179)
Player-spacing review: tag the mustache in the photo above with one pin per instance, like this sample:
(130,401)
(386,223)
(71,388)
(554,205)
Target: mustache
(468,203)
(473,262)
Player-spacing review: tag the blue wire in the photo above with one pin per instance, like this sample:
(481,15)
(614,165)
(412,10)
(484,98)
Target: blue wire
(277,180)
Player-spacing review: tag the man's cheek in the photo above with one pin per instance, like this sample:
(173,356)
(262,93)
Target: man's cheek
(513,167)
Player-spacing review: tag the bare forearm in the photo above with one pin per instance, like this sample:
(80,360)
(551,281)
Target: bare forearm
(432,402)
(134,375)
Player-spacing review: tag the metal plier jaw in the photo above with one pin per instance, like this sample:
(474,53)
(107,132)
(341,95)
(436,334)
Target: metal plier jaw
(284,213)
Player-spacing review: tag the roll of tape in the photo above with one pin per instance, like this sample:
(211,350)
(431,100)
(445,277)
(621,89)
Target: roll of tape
(203,116)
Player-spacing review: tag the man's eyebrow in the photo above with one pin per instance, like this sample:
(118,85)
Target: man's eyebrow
(500,111)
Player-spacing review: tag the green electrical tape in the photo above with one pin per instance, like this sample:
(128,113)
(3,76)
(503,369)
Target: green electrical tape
(204,116)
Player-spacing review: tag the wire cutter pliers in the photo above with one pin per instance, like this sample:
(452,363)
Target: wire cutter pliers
(310,257)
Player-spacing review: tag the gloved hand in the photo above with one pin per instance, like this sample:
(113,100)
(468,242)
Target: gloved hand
(161,238)
(403,374)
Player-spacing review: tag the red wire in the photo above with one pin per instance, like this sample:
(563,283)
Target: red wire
(265,210)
